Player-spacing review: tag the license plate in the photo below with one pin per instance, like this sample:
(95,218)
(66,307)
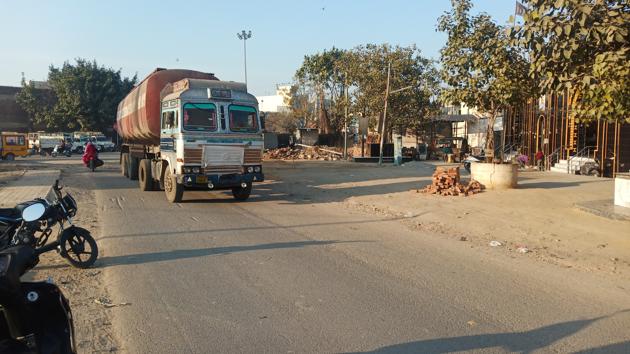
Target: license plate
(201,179)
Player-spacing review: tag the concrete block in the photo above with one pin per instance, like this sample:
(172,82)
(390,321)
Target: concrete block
(622,190)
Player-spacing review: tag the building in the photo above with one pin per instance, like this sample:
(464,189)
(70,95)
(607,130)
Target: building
(276,103)
(12,116)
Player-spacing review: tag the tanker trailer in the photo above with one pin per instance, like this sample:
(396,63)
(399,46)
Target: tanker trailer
(185,129)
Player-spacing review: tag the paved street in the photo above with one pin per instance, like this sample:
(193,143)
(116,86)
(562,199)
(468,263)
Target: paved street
(297,271)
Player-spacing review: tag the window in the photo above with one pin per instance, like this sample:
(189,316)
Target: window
(168,120)
(200,116)
(14,140)
(243,119)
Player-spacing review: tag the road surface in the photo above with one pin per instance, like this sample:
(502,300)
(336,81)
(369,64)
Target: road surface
(295,270)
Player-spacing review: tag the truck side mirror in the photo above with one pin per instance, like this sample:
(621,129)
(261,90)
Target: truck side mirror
(170,120)
(263,117)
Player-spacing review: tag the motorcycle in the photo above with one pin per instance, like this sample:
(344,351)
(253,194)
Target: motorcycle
(470,159)
(73,243)
(35,317)
(57,150)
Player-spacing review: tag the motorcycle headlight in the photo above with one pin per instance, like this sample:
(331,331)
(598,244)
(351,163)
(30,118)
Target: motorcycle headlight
(257,169)
(250,169)
(195,170)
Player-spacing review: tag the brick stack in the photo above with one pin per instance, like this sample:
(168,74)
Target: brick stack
(446,181)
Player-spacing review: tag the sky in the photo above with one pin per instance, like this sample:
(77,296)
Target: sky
(139,36)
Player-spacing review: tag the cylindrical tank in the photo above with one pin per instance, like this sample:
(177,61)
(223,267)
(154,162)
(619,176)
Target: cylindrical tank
(138,115)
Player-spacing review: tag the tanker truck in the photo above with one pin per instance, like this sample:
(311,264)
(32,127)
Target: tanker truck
(185,129)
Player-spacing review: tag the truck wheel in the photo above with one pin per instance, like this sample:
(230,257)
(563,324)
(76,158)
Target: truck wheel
(144,176)
(124,165)
(240,193)
(174,191)
(9,157)
(133,167)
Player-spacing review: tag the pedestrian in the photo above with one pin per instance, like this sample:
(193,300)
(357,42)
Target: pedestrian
(539,160)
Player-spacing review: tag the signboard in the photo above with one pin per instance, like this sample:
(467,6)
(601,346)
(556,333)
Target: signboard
(363,125)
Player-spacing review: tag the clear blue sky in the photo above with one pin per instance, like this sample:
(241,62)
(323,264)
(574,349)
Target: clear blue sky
(138,36)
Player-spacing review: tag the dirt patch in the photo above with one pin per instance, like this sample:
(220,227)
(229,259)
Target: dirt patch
(536,221)
(84,287)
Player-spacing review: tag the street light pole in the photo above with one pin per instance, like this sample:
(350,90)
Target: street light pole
(345,121)
(244,36)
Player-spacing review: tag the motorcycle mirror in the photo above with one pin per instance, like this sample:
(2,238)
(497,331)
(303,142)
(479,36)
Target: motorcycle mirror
(58,185)
(33,212)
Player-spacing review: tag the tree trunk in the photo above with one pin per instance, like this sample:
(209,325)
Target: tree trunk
(489,149)
(324,123)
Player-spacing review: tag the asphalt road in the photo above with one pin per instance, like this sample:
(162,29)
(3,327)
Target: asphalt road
(293,270)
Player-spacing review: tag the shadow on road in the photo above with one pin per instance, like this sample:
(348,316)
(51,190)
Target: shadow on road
(520,342)
(143,258)
(248,228)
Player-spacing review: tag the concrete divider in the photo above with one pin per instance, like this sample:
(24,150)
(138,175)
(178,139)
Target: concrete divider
(495,176)
(622,190)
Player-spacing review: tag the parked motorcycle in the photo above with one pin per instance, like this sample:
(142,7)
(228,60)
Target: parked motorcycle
(470,159)
(57,150)
(35,317)
(73,243)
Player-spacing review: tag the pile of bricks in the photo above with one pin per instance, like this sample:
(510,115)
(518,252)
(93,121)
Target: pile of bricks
(306,153)
(446,181)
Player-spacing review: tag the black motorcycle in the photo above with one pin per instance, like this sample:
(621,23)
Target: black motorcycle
(31,223)
(35,317)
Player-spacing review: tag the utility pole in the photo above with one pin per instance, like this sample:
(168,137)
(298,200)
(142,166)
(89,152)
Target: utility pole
(345,121)
(244,36)
(380,155)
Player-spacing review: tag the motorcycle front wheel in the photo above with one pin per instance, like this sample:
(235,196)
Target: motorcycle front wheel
(78,247)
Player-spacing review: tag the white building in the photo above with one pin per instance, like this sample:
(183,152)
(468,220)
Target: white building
(277,102)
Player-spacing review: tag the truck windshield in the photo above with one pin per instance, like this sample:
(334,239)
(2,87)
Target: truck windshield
(200,116)
(243,119)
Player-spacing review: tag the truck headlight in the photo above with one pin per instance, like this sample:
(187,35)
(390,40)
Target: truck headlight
(187,170)
(257,169)
(195,170)
(250,169)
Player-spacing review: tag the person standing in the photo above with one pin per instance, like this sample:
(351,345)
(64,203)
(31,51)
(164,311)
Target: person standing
(539,160)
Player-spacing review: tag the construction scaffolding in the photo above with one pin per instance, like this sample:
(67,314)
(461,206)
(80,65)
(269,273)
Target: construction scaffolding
(547,125)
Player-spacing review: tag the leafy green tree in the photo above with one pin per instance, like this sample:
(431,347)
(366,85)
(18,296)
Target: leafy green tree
(583,47)
(83,96)
(479,66)
(363,71)
(321,73)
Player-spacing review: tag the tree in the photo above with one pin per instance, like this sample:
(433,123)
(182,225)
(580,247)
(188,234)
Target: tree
(281,122)
(582,47)
(363,71)
(320,72)
(83,96)
(479,66)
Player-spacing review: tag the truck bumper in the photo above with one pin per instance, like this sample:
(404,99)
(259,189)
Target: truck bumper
(226,181)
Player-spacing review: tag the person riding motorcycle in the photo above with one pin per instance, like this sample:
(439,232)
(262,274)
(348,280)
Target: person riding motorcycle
(91,153)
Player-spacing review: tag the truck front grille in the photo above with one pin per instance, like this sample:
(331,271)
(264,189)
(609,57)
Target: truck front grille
(217,155)
(253,156)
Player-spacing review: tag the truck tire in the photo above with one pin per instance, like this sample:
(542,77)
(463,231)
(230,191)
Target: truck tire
(9,157)
(145,179)
(174,191)
(133,167)
(240,193)
(124,165)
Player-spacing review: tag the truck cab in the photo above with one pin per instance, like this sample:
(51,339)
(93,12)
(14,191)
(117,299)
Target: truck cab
(210,138)
(13,145)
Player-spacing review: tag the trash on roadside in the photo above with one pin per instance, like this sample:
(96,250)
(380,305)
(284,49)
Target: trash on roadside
(463,238)
(108,303)
(495,244)
(522,249)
